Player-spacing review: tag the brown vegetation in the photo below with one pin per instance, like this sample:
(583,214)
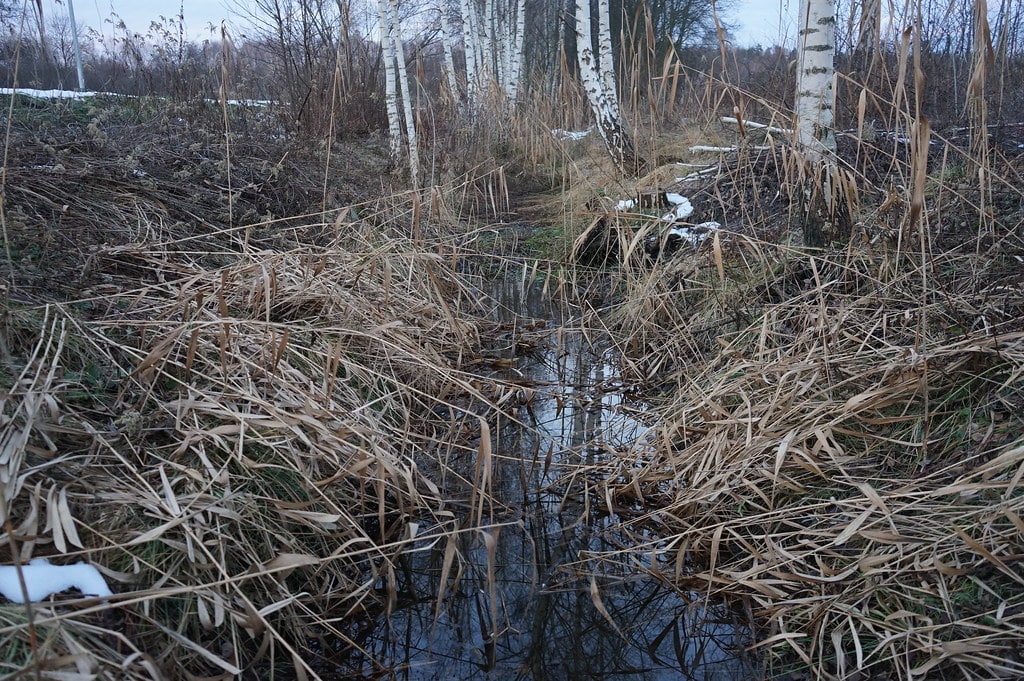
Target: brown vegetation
(243,365)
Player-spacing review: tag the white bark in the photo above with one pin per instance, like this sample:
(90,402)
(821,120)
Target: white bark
(602,102)
(821,206)
(515,70)
(470,39)
(606,62)
(815,95)
(403,81)
(387,45)
(449,60)
(490,44)
(493,33)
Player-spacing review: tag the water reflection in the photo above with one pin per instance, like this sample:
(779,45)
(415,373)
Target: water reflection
(523,600)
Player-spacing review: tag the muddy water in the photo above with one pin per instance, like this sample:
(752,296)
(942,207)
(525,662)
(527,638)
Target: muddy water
(527,601)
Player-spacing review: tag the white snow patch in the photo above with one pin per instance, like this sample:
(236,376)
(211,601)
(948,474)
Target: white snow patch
(694,234)
(43,579)
(53,94)
(675,199)
(244,102)
(569,135)
(683,208)
(625,204)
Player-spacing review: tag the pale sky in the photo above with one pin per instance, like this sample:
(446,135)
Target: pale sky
(757,21)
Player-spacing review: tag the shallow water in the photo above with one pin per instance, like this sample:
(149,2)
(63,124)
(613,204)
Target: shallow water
(526,604)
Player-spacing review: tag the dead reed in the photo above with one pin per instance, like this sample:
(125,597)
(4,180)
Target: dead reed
(238,425)
(839,452)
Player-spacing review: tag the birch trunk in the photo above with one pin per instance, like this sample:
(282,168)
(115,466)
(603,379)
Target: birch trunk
(606,61)
(815,97)
(489,45)
(403,81)
(387,46)
(815,141)
(449,60)
(602,102)
(470,39)
(485,62)
(516,68)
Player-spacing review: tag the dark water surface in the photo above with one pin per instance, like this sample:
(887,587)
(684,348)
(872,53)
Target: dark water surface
(526,608)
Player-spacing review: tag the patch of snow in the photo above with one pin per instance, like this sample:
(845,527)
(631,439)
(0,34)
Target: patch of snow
(625,204)
(54,94)
(694,234)
(43,579)
(682,209)
(244,102)
(569,135)
(675,199)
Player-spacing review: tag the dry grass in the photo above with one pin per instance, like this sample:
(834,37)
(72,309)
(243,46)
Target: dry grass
(246,400)
(254,474)
(839,452)
(238,425)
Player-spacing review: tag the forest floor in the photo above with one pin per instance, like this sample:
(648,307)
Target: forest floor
(229,370)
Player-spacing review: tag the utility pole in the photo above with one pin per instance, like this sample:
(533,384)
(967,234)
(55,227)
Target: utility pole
(78,48)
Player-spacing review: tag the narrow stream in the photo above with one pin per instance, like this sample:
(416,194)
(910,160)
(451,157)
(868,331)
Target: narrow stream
(524,605)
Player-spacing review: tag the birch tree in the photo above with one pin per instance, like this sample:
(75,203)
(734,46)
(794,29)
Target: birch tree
(493,33)
(814,136)
(403,82)
(470,38)
(599,84)
(394,69)
(449,59)
(387,46)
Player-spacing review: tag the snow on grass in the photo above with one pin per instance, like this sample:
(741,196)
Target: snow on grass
(74,94)
(43,579)
(53,94)
(694,234)
(682,208)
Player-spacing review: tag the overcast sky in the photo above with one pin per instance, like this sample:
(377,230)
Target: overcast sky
(757,21)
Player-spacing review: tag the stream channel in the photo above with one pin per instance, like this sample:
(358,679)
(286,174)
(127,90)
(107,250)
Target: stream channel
(526,608)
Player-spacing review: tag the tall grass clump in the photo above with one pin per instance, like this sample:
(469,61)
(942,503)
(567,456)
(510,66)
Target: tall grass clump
(232,422)
(835,443)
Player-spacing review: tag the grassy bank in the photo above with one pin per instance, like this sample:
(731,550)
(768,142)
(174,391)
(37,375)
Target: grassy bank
(220,394)
(242,373)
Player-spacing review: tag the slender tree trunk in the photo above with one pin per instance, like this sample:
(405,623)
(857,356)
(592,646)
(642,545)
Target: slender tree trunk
(606,60)
(602,102)
(815,97)
(471,39)
(449,60)
(387,46)
(490,47)
(516,68)
(814,135)
(403,81)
